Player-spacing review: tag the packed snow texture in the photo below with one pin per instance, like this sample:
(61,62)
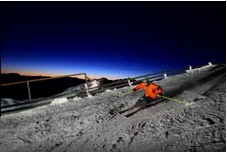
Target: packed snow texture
(94,124)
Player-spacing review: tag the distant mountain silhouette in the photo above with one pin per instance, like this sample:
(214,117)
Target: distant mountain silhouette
(38,89)
(15,77)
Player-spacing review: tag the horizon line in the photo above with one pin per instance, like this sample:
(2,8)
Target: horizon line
(27,73)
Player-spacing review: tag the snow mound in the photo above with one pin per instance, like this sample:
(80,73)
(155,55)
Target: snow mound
(93,83)
(107,90)
(72,89)
(59,101)
(76,98)
(8,101)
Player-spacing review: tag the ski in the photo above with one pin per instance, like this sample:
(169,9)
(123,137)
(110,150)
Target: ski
(141,108)
(130,114)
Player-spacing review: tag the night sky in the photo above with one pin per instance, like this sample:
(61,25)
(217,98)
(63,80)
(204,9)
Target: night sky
(111,39)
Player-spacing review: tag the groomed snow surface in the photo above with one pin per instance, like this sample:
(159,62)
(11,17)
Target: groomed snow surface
(94,124)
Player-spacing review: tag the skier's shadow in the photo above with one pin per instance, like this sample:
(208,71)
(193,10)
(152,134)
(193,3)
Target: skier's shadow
(141,104)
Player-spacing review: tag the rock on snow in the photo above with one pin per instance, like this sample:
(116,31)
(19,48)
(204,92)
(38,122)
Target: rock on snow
(94,124)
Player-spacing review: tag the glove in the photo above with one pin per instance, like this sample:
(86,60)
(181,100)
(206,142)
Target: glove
(159,95)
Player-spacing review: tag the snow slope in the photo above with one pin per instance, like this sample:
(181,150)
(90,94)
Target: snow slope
(94,124)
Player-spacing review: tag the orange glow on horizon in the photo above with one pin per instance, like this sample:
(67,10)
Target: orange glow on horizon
(38,73)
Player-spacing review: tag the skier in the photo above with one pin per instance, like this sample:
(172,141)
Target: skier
(152,92)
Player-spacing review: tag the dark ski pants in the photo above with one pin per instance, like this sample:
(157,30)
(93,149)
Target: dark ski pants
(143,102)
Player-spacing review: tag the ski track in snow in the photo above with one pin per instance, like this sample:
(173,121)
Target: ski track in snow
(94,124)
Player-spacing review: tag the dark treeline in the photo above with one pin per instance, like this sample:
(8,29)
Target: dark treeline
(38,89)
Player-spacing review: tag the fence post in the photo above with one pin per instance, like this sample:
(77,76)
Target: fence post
(164,74)
(190,67)
(85,75)
(129,83)
(86,87)
(29,92)
(147,80)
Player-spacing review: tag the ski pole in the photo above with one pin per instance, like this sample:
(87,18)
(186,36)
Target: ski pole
(131,91)
(180,101)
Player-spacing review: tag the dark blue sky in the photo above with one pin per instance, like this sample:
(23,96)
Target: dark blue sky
(113,39)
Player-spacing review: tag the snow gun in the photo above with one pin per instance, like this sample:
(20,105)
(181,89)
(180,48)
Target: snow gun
(180,101)
(131,91)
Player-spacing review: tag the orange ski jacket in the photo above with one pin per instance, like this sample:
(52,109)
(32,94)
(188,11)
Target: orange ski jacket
(151,90)
(141,86)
